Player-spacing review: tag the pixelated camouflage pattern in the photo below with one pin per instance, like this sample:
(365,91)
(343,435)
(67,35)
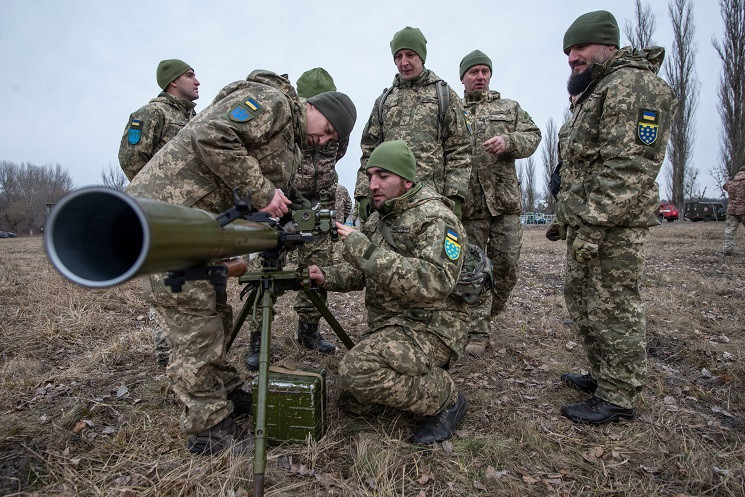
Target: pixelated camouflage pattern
(493,188)
(317,170)
(735,189)
(212,155)
(343,203)
(603,300)
(196,324)
(409,287)
(608,174)
(319,252)
(503,238)
(395,368)
(162,118)
(410,113)
(731,224)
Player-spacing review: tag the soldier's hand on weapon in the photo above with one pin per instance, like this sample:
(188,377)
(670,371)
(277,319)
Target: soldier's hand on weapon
(495,145)
(556,231)
(278,205)
(316,275)
(343,230)
(584,250)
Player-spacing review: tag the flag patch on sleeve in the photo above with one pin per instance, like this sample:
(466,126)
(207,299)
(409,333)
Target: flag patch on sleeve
(452,244)
(648,124)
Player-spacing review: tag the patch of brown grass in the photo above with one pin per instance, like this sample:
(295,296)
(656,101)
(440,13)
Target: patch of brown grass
(84,409)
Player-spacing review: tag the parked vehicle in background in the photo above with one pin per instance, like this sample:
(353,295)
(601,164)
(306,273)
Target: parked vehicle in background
(7,234)
(532,218)
(668,212)
(705,211)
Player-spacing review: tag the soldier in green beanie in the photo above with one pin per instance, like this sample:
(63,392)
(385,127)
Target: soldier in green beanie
(611,152)
(491,213)
(152,126)
(436,133)
(408,258)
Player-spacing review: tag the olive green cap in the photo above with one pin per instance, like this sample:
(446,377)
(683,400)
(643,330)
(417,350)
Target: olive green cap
(338,109)
(594,28)
(412,39)
(170,69)
(314,81)
(396,157)
(475,58)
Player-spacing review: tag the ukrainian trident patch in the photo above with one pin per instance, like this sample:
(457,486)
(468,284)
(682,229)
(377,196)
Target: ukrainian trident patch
(648,124)
(245,111)
(452,245)
(135,132)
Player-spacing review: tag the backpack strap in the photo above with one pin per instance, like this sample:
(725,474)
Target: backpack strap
(383,96)
(443,102)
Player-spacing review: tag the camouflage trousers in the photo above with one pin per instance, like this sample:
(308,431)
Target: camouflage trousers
(320,252)
(731,224)
(603,299)
(196,324)
(400,368)
(501,237)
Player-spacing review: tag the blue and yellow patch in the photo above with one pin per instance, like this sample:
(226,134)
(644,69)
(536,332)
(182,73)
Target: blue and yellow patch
(245,111)
(648,126)
(134,135)
(452,245)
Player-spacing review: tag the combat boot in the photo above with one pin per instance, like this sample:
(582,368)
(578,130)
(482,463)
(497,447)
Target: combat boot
(224,435)
(477,346)
(310,338)
(252,359)
(441,426)
(242,402)
(596,411)
(583,382)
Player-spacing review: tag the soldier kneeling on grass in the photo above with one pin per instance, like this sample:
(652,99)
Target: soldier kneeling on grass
(408,257)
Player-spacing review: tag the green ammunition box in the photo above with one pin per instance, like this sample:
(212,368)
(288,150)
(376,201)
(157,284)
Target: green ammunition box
(296,404)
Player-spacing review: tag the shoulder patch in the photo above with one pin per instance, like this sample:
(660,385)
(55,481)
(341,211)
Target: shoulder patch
(245,111)
(134,135)
(647,127)
(452,244)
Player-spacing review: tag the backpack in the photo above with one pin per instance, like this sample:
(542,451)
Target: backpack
(443,102)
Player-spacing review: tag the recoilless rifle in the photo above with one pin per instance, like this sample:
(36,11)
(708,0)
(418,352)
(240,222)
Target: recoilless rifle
(99,237)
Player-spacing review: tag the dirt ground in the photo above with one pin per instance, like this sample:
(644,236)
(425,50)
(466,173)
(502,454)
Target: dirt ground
(85,410)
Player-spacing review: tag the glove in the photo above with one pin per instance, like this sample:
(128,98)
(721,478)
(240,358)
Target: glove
(363,208)
(458,207)
(298,201)
(557,231)
(583,250)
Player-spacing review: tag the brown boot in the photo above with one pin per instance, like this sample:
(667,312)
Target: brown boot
(477,346)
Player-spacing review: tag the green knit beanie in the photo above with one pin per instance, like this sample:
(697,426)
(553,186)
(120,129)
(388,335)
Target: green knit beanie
(475,58)
(597,27)
(396,157)
(338,109)
(170,69)
(314,81)
(412,39)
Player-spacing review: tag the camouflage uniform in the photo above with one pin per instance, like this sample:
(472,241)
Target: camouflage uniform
(491,213)
(149,128)
(735,210)
(410,113)
(414,328)
(343,203)
(611,157)
(316,174)
(248,138)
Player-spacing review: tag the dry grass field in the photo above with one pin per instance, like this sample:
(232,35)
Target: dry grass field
(85,410)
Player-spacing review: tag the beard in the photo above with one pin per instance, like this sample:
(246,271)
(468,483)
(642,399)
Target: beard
(579,82)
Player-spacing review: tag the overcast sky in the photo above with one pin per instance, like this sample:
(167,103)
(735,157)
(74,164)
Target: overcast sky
(72,71)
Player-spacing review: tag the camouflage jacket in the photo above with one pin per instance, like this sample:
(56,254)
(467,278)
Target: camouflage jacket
(149,128)
(736,190)
(494,189)
(613,145)
(408,278)
(410,113)
(249,138)
(343,203)
(317,170)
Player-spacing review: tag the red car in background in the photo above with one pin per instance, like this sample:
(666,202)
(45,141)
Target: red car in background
(668,211)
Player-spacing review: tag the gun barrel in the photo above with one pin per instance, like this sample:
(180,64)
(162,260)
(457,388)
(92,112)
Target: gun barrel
(100,237)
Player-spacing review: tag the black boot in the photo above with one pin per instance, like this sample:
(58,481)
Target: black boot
(252,359)
(583,382)
(310,338)
(596,411)
(441,426)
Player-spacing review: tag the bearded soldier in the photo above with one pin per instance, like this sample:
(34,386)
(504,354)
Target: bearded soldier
(611,149)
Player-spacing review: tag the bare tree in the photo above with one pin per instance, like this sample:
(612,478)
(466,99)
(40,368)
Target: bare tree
(527,184)
(113,177)
(550,157)
(731,51)
(640,31)
(679,69)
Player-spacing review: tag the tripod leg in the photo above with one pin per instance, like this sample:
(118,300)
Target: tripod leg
(241,318)
(330,319)
(267,302)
